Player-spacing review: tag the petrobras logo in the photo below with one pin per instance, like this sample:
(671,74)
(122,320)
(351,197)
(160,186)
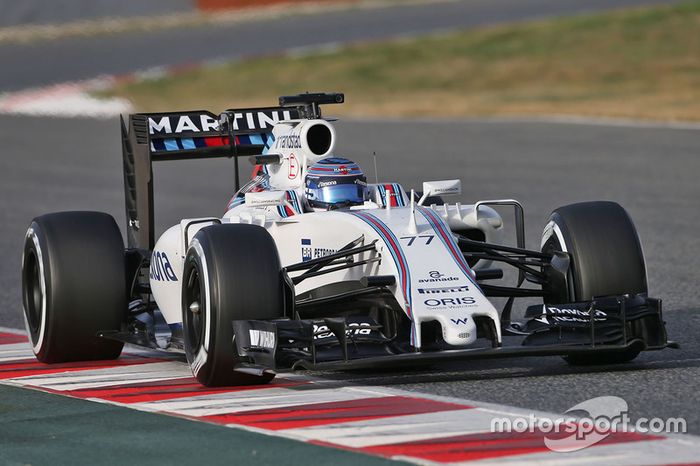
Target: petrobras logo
(161,270)
(205,122)
(447,289)
(309,252)
(262,339)
(306,251)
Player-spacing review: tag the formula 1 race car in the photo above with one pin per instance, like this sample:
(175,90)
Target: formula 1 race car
(312,267)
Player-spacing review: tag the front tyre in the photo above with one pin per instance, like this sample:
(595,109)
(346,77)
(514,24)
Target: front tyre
(73,286)
(231,272)
(606,259)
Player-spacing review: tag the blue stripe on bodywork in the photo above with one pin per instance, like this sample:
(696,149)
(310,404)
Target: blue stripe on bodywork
(397,254)
(171,144)
(445,235)
(188,144)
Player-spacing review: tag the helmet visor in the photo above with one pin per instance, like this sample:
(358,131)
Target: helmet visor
(352,194)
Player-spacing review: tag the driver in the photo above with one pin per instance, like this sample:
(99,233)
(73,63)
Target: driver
(334,183)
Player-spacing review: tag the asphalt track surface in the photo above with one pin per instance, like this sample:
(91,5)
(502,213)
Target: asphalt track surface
(48,62)
(75,164)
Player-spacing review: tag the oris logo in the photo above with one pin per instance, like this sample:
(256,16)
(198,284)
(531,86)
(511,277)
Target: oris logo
(464,301)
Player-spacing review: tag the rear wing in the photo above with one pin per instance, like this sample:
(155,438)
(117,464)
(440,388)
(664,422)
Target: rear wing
(198,134)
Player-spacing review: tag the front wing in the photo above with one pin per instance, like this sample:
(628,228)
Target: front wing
(603,326)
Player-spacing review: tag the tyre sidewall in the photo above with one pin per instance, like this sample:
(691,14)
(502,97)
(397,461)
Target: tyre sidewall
(34,244)
(82,258)
(214,359)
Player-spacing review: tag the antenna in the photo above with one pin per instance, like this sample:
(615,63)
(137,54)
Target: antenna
(376,173)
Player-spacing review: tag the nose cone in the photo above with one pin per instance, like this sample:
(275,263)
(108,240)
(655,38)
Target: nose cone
(458,331)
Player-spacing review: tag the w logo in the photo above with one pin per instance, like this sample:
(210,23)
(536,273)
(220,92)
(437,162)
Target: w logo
(464,321)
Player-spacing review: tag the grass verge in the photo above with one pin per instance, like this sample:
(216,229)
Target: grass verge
(639,63)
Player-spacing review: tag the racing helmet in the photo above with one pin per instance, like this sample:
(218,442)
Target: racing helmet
(335,182)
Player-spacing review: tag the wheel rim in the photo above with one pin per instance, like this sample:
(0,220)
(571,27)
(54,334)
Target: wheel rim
(33,294)
(194,310)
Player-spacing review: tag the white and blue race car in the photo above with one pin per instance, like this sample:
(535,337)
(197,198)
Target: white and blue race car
(313,267)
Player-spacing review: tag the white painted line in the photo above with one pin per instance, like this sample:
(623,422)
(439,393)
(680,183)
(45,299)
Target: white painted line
(15,352)
(251,400)
(104,377)
(651,453)
(398,429)
(15,331)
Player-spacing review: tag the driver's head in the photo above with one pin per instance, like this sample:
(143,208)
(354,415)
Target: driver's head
(335,182)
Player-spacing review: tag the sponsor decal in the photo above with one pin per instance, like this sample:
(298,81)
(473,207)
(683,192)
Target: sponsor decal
(446,190)
(323,184)
(161,270)
(309,252)
(293,167)
(306,251)
(450,302)
(436,277)
(203,122)
(447,289)
(290,141)
(262,339)
(323,252)
(463,321)
(353,328)
(557,314)
(179,124)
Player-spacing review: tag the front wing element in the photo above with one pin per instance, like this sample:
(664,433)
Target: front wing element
(607,325)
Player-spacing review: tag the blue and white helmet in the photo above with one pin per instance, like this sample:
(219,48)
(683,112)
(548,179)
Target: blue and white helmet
(335,182)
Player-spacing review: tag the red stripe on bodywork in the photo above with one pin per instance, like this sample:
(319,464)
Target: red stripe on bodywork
(399,254)
(487,445)
(334,412)
(12,338)
(25,368)
(217,141)
(391,195)
(167,390)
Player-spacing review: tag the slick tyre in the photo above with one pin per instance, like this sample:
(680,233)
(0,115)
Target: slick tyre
(73,286)
(606,259)
(232,272)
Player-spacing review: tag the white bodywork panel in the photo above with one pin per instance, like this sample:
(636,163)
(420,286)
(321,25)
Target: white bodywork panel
(416,246)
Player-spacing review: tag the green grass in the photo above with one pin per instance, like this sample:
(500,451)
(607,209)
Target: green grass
(640,63)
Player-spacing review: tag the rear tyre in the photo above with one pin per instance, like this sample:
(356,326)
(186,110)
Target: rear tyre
(606,259)
(73,286)
(232,272)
